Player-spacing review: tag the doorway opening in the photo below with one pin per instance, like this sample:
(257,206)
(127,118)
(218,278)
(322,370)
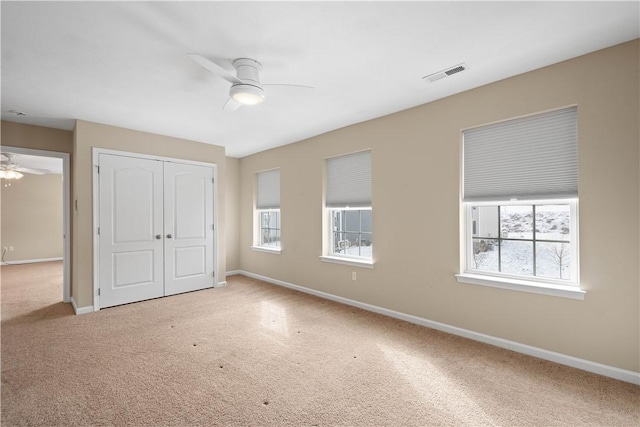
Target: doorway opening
(39,170)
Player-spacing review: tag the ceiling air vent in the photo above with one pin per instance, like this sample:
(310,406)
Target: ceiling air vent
(445,73)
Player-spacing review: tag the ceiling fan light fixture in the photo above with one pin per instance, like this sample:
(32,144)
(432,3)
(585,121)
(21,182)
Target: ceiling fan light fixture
(247,94)
(10,174)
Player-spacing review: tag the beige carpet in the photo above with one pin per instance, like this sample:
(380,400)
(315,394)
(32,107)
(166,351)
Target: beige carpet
(254,354)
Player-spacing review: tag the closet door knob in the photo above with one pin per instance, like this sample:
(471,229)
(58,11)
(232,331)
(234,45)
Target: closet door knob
(169,236)
(158,236)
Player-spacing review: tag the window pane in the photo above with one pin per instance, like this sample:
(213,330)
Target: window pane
(484,221)
(516,257)
(351,220)
(532,241)
(553,260)
(366,239)
(358,244)
(352,238)
(366,221)
(553,222)
(270,237)
(364,245)
(340,243)
(352,232)
(270,228)
(269,220)
(516,222)
(338,221)
(485,255)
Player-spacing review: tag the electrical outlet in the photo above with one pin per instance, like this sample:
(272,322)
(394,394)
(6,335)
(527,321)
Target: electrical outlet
(354,275)
(10,248)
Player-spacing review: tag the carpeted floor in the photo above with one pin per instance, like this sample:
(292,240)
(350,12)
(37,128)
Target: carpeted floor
(254,354)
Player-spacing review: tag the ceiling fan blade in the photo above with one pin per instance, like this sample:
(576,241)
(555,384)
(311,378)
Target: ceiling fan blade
(231,105)
(32,170)
(289,90)
(215,68)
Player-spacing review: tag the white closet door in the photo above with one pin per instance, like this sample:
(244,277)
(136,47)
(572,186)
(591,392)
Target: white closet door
(131,229)
(188,226)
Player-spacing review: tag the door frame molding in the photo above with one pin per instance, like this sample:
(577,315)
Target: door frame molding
(66,210)
(96,151)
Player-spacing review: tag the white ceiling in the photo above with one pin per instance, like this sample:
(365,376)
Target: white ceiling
(125,63)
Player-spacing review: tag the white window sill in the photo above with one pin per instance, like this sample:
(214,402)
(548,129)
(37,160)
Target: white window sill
(268,249)
(564,291)
(348,261)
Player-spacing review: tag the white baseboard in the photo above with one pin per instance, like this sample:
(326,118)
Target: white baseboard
(562,359)
(221,284)
(31,261)
(81,310)
(234,272)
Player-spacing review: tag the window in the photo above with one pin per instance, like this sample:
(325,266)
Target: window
(523,239)
(268,211)
(351,235)
(269,227)
(520,189)
(348,207)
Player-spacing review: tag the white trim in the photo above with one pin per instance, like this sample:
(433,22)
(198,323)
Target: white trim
(31,261)
(562,359)
(98,150)
(214,196)
(234,272)
(95,195)
(221,284)
(66,214)
(81,310)
(347,261)
(563,291)
(548,286)
(272,250)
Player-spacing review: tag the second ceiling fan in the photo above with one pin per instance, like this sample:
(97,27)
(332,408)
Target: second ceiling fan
(246,88)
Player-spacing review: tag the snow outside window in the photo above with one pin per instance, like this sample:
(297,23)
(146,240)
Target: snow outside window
(351,233)
(269,220)
(267,230)
(523,240)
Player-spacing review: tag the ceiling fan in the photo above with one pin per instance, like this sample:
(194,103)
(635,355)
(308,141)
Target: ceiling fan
(246,88)
(11,170)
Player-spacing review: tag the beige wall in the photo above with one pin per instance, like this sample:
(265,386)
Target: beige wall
(88,135)
(416,192)
(233,213)
(36,137)
(32,218)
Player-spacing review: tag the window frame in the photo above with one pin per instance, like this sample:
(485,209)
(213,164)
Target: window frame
(331,252)
(347,186)
(271,204)
(569,288)
(259,230)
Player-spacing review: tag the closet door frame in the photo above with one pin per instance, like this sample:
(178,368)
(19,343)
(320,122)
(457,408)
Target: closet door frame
(96,210)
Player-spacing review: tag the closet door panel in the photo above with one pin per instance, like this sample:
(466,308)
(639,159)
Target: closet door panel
(131,255)
(188,214)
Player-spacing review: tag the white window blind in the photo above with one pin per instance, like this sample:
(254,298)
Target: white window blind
(269,189)
(349,180)
(533,157)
